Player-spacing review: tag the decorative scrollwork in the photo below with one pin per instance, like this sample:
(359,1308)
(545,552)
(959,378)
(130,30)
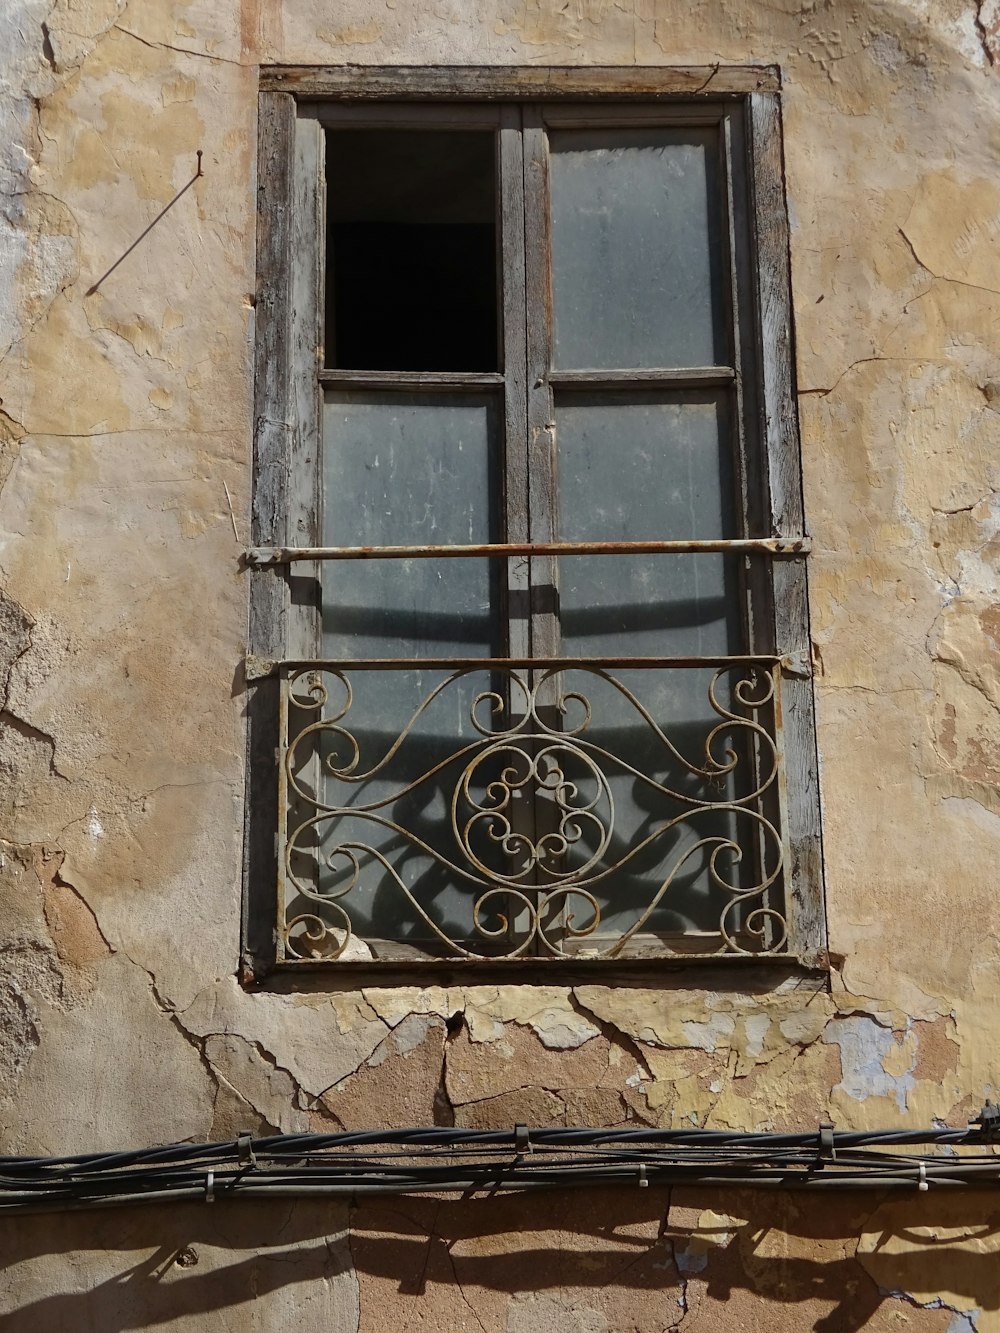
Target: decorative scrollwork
(539,775)
(562,820)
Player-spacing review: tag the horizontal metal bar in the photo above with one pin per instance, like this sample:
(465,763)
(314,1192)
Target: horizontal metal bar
(284,555)
(414,380)
(256,668)
(536,967)
(690,377)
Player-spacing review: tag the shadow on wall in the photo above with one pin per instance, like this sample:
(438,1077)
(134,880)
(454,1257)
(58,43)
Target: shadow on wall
(601,1260)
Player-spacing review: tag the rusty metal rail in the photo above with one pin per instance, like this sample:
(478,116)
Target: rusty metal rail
(257,667)
(284,555)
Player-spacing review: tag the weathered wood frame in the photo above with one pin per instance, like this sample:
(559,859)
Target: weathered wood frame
(288,386)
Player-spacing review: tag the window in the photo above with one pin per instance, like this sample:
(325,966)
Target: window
(528,617)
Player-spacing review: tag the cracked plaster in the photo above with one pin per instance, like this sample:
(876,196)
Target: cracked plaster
(124,436)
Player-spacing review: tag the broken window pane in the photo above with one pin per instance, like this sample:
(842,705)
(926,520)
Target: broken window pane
(411,260)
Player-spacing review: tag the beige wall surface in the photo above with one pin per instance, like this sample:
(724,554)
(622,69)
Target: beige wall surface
(125,445)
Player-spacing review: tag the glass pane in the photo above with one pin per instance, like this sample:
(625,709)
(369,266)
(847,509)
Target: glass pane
(399,469)
(648,467)
(411,260)
(636,248)
(408,469)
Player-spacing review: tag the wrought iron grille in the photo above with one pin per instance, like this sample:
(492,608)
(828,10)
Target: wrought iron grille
(510,809)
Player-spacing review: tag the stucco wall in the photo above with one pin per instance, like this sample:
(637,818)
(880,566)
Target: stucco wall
(125,437)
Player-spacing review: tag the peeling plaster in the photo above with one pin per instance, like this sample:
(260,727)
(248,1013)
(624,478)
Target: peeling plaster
(867,1052)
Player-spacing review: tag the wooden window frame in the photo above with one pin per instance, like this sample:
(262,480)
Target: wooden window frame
(287,418)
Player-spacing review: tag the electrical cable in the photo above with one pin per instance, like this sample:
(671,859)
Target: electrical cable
(467,1161)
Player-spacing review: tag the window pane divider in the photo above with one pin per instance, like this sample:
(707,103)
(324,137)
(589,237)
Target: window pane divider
(411,379)
(693,377)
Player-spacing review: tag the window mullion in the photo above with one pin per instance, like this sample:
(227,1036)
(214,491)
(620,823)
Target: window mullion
(748,602)
(545,634)
(304,521)
(510,169)
(516,501)
(541,424)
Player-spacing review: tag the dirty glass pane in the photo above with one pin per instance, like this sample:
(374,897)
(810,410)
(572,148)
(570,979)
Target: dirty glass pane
(402,469)
(636,248)
(407,469)
(647,467)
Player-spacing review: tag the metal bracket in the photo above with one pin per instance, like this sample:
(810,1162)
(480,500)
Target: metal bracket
(258,668)
(797,664)
(826,1145)
(988,1121)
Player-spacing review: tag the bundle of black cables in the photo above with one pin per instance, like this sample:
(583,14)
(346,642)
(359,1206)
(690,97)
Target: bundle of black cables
(468,1161)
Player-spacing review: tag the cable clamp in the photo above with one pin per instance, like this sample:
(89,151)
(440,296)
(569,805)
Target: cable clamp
(210,1187)
(923,1186)
(826,1145)
(244,1151)
(643,1182)
(988,1121)
(522,1142)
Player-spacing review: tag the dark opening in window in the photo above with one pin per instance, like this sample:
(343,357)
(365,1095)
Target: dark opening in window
(411,265)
